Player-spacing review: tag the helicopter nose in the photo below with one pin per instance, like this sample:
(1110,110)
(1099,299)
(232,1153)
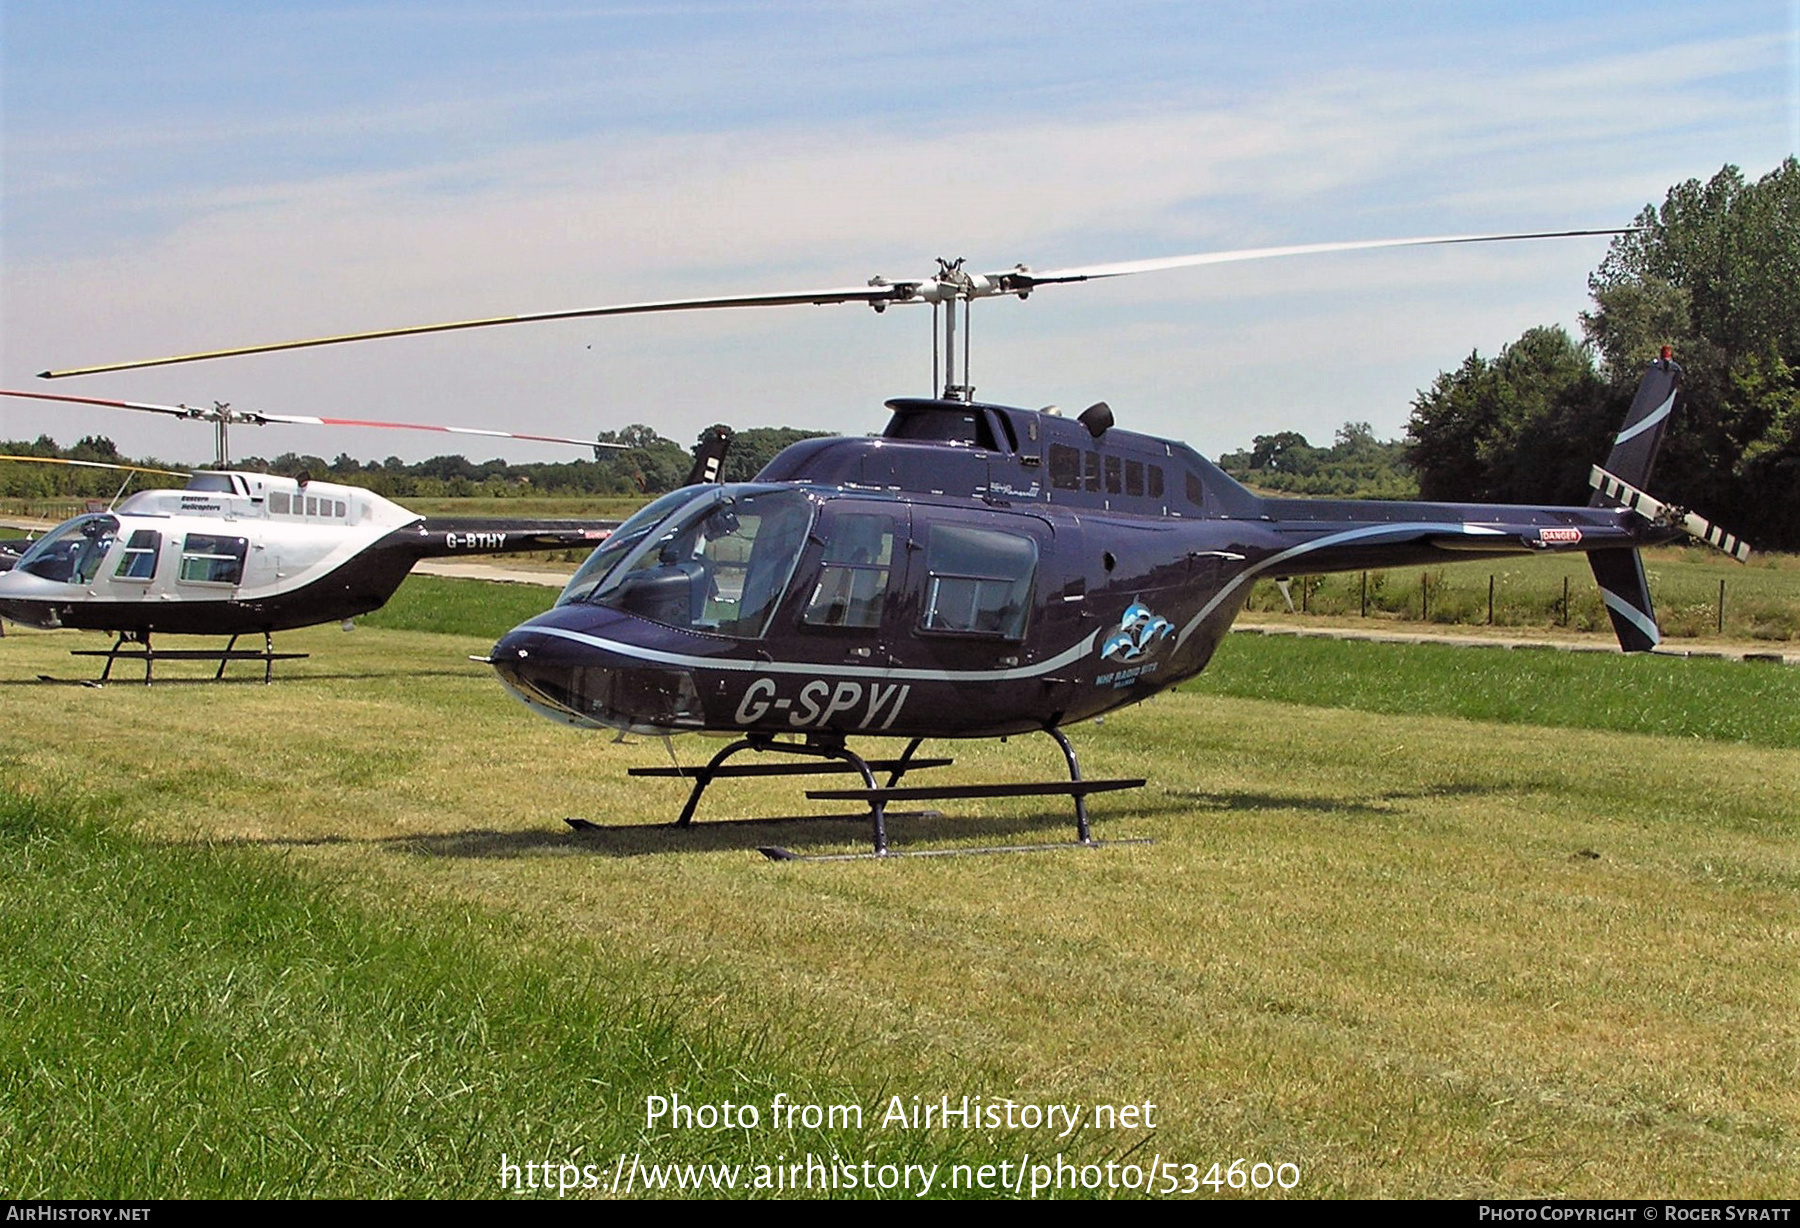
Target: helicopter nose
(577,684)
(26,599)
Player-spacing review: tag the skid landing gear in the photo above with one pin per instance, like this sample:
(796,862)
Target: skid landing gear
(150,656)
(834,756)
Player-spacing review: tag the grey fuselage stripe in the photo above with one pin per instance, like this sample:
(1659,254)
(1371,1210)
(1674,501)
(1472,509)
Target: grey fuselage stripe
(1623,607)
(1651,419)
(1319,543)
(1067,657)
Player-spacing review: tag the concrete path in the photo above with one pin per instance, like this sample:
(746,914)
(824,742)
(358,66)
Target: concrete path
(1596,644)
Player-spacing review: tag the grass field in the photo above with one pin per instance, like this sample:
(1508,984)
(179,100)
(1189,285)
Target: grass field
(1762,598)
(1407,924)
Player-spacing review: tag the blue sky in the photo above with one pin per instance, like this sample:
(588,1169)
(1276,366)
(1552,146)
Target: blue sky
(181,176)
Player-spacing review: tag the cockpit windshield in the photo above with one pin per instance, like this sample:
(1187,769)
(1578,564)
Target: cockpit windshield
(72,552)
(718,561)
(621,541)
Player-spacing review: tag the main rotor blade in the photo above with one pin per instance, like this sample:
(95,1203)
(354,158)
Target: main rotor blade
(879,293)
(179,411)
(882,294)
(57,460)
(224,413)
(1094,272)
(301,420)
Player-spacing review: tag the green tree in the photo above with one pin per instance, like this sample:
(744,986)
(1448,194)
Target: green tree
(753,448)
(1522,428)
(1712,273)
(1357,465)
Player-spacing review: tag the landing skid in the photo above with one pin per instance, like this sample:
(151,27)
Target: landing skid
(150,656)
(840,758)
(775,852)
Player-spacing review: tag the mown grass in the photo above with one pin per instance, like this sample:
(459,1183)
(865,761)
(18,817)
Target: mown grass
(1413,954)
(1762,599)
(1734,701)
(197,1021)
(460,607)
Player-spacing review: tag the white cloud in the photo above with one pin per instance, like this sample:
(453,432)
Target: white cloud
(545,222)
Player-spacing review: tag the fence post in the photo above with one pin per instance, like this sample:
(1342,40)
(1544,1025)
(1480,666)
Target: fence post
(1721,607)
(1424,596)
(1565,604)
(1490,599)
(1365,594)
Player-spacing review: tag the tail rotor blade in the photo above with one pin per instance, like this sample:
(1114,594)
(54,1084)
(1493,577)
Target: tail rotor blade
(1650,508)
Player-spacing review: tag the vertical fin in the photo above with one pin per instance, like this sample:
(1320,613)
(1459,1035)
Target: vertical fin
(1634,448)
(709,457)
(1620,575)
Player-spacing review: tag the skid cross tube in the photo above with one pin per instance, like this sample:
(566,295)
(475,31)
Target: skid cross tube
(1074,788)
(844,760)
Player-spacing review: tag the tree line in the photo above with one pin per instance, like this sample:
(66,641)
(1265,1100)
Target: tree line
(648,464)
(1356,466)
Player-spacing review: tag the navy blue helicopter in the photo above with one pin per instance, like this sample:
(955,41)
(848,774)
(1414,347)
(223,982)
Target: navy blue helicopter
(982,571)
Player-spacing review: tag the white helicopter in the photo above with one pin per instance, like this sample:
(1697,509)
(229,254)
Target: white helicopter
(236,553)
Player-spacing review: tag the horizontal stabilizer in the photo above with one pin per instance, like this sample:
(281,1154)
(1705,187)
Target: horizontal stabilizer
(1698,527)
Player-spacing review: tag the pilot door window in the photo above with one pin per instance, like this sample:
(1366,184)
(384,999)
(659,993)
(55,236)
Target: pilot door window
(213,560)
(978,581)
(853,577)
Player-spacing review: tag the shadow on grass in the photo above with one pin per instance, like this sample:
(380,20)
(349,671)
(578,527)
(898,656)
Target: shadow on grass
(1379,804)
(830,833)
(287,680)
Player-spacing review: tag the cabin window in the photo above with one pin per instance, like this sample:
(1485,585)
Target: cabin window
(212,483)
(978,581)
(278,502)
(942,424)
(1156,482)
(138,562)
(1134,478)
(213,560)
(1113,485)
(1196,493)
(859,554)
(1065,467)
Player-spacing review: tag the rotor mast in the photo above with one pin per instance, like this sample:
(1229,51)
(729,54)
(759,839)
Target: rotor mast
(952,285)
